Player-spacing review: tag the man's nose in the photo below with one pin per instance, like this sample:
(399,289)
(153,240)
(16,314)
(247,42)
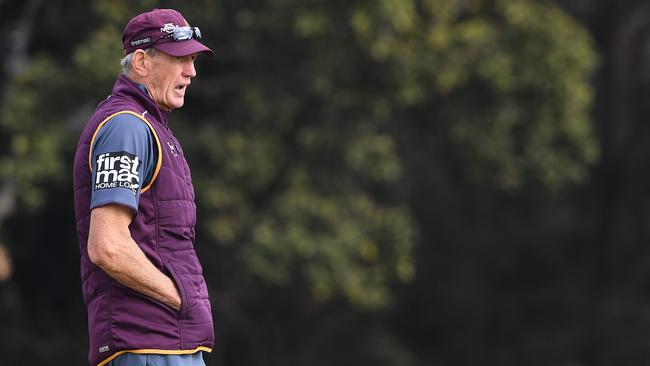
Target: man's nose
(189,70)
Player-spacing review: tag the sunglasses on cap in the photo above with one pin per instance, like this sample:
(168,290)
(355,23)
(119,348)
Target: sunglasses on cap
(181,34)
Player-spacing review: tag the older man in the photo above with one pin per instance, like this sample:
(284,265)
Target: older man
(134,203)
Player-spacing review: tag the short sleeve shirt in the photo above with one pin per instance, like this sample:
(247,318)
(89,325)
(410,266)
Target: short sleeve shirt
(123,160)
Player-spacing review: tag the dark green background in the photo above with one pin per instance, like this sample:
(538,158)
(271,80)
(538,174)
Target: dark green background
(390,182)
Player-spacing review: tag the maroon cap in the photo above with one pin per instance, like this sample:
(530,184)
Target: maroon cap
(156,29)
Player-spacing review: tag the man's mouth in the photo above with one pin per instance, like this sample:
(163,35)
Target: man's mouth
(180,89)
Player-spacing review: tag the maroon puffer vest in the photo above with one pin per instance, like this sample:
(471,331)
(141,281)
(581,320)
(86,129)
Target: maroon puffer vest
(120,319)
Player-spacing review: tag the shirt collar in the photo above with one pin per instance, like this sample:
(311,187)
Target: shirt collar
(128,88)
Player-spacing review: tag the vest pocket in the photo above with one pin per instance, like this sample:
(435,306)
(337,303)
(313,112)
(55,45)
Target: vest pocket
(181,289)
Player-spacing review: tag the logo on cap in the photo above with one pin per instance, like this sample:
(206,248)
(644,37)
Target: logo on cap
(140,41)
(168,28)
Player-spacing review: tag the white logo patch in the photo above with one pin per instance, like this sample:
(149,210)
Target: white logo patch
(168,28)
(103,349)
(117,170)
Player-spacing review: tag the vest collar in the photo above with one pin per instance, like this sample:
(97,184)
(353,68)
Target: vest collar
(125,87)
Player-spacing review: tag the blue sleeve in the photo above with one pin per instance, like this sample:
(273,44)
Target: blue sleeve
(123,159)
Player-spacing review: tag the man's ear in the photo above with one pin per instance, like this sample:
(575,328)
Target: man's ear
(139,63)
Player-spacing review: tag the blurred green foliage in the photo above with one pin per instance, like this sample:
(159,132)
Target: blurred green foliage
(342,154)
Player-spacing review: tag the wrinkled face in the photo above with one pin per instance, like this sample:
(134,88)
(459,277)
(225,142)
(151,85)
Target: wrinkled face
(168,78)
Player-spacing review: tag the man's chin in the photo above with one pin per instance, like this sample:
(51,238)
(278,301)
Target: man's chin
(178,103)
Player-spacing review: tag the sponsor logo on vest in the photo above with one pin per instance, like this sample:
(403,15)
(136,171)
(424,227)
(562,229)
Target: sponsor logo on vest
(117,170)
(172,147)
(140,41)
(103,349)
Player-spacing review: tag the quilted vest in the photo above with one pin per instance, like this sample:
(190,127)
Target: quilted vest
(120,319)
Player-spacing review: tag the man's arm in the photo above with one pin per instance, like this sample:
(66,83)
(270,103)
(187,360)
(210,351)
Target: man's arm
(111,247)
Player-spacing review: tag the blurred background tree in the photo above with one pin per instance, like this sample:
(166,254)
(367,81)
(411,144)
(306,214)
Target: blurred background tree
(389,182)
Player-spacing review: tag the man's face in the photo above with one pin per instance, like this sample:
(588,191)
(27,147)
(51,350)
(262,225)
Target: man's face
(168,78)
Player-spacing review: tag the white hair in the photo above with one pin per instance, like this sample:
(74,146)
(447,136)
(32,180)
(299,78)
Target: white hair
(126,61)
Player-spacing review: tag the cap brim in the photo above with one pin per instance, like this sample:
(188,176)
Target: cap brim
(183,48)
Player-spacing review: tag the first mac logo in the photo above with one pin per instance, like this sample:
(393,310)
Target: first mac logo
(117,170)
